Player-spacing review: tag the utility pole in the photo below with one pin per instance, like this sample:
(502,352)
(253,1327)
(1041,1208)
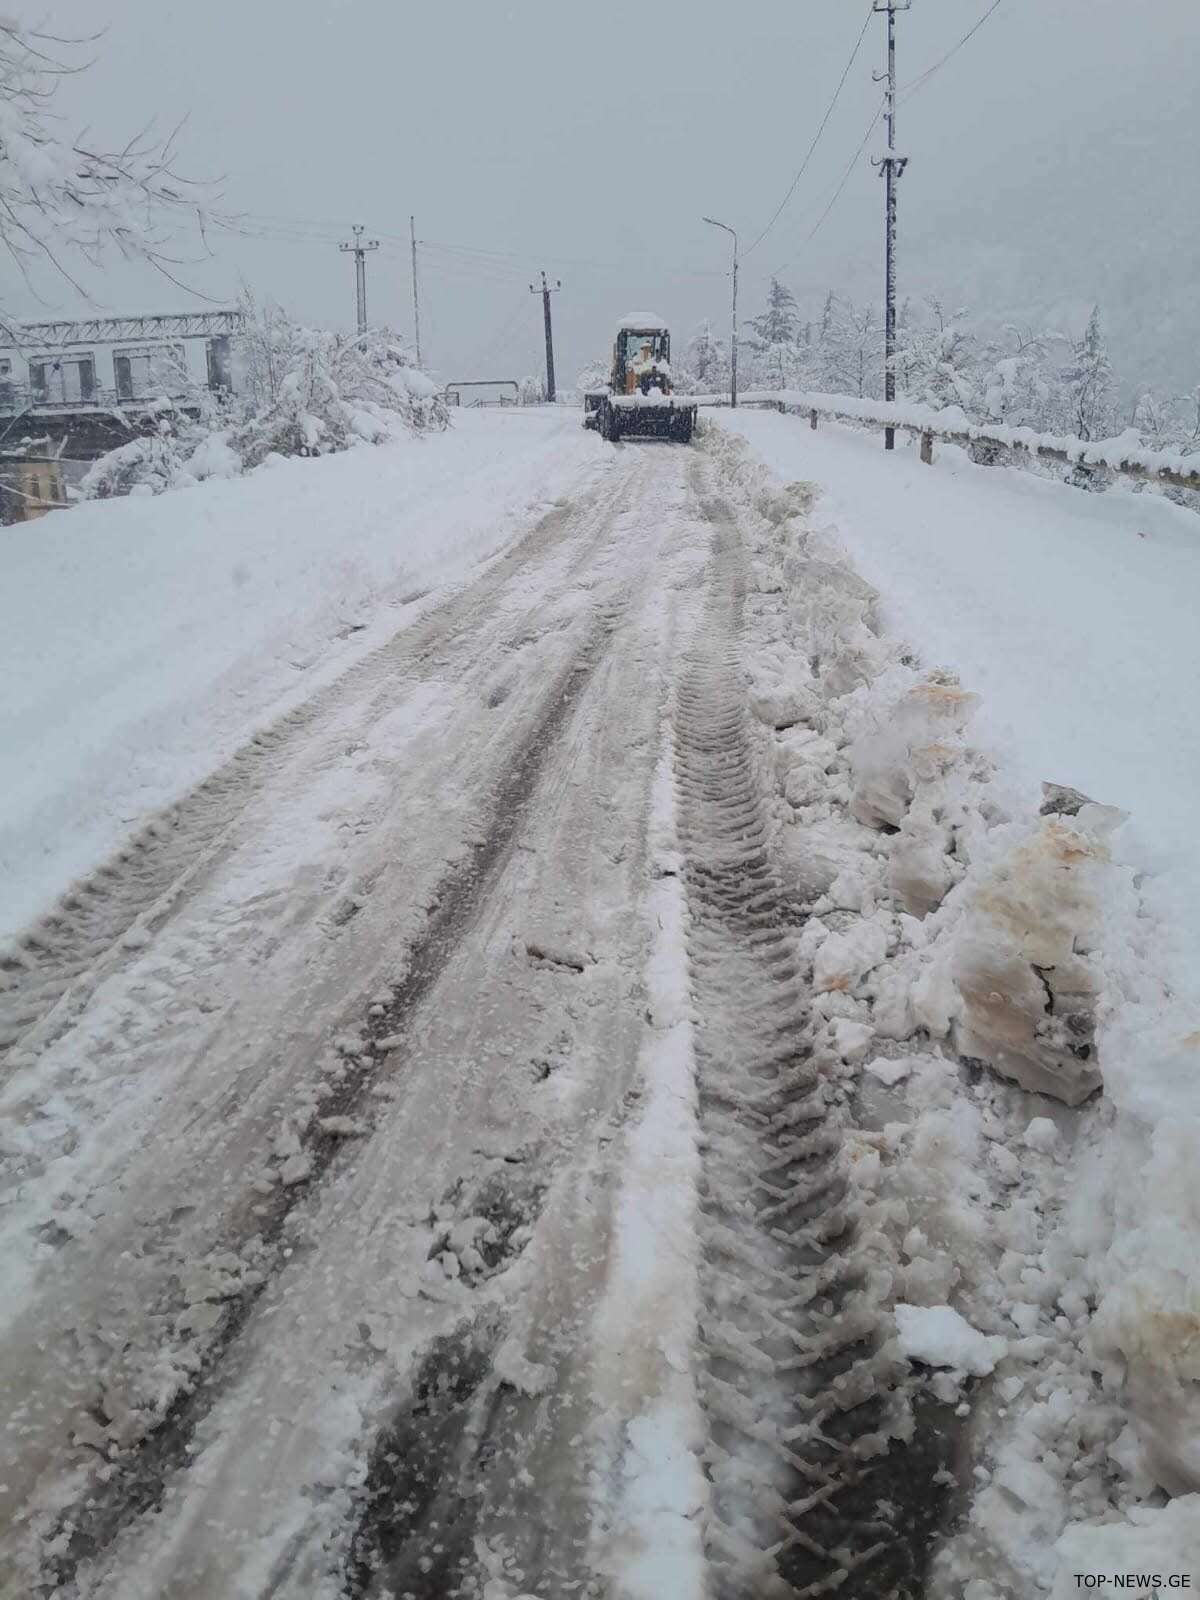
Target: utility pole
(412,228)
(359,250)
(893,170)
(546,291)
(712,221)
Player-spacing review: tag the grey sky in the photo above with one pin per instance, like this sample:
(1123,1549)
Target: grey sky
(1053,159)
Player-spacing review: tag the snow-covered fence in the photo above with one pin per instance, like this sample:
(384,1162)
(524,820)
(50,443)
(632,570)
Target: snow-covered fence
(1125,455)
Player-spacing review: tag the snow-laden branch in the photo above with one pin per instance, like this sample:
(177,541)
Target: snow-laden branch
(66,199)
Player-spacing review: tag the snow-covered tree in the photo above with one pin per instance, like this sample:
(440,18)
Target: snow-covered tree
(774,357)
(1089,389)
(331,390)
(777,324)
(936,358)
(66,201)
(1018,379)
(594,376)
(705,362)
(305,392)
(851,349)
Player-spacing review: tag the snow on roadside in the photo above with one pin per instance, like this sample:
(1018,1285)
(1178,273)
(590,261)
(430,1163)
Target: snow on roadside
(1125,450)
(980,967)
(649,1532)
(142,640)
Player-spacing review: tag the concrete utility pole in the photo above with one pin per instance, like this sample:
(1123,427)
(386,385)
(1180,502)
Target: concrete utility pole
(893,170)
(712,221)
(412,228)
(360,271)
(546,291)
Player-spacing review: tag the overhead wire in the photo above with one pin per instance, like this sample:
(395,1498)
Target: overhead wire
(923,78)
(837,193)
(804,165)
(917,83)
(492,266)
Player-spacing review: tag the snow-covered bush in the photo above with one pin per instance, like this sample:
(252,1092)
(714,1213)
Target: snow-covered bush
(143,466)
(304,392)
(309,391)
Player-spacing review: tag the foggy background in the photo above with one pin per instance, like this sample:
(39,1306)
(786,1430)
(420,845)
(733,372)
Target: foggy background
(1052,162)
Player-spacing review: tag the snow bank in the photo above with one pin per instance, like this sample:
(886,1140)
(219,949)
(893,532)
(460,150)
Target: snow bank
(1164,1542)
(649,1528)
(142,640)
(968,913)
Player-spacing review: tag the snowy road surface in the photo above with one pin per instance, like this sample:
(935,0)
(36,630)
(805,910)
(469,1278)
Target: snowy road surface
(474,1141)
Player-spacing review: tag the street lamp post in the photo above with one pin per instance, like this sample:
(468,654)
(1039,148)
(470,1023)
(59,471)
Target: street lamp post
(712,221)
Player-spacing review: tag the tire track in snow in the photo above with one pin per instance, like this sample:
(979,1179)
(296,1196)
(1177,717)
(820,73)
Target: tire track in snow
(48,974)
(136,1480)
(811,1494)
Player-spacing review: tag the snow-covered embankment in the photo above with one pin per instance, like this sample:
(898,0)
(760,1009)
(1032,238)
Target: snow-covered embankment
(952,922)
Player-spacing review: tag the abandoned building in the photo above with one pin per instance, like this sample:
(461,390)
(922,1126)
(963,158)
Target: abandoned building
(93,382)
(71,390)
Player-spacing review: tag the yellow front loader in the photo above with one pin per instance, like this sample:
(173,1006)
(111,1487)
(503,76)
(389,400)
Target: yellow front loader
(640,400)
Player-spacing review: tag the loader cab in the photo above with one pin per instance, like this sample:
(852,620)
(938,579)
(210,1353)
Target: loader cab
(641,360)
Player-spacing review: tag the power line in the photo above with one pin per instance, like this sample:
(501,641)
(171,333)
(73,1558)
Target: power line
(925,76)
(817,139)
(837,193)
(566,261)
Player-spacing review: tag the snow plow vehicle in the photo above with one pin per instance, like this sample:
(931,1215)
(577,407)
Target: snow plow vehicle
(639,400)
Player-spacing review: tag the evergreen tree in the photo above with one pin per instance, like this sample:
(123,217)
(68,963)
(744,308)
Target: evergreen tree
(772,342)
(1088,381)
(777,324)
(706,362)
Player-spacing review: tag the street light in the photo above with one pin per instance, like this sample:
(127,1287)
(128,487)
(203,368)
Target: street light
(712,221)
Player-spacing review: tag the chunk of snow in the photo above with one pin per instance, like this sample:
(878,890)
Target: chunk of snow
(845,958)
(1041,1134)
(851,1040)
(939,1337)
(513,1366)
(889,1072)
(294,1170)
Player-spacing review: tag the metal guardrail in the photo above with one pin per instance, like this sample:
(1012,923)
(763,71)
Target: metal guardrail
(453,396)
(1074,453)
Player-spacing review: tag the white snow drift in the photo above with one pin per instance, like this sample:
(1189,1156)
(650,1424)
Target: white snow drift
(142,640)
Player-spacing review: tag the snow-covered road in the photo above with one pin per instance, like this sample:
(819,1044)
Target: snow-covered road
(475,1140)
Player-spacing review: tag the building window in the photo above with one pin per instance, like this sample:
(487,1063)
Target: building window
(62,380)
(150,372)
